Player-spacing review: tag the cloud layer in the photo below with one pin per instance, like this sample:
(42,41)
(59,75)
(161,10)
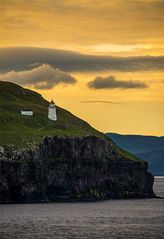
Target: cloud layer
(111,82)
(138,21)
(41,77)
(25,58)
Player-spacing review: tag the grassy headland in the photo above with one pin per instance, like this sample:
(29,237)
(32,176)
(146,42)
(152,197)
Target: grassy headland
(22,131)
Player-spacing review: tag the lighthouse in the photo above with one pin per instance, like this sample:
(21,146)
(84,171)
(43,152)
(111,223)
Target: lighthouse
(52,111)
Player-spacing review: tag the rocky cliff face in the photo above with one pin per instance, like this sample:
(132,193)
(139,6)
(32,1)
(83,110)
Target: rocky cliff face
(71,168)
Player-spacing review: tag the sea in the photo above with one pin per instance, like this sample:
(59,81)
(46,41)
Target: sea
(112,219)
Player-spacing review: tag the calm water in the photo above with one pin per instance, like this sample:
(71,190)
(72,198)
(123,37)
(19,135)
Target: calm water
(107,219)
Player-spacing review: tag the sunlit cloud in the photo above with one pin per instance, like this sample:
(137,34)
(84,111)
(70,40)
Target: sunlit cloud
(41,77)
(119,48)
(116,49)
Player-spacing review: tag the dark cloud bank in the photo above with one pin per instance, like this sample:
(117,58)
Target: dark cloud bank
(110,82)
(24,58)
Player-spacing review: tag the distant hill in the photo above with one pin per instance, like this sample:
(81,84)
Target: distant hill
(149,148)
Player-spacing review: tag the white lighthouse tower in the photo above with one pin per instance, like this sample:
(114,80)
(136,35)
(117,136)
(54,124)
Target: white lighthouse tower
(52,111)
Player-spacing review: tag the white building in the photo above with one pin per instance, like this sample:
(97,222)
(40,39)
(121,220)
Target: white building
(52,111)
(27,112)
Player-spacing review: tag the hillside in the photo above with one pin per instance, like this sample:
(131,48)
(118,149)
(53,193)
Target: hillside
(22,131)
(150,148)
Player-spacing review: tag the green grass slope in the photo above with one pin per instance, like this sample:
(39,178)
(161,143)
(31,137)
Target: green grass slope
(23,131)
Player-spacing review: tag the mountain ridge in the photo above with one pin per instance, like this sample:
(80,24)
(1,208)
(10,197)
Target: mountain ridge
(150,148)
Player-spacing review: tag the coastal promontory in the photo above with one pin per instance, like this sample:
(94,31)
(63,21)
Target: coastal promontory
(65,160)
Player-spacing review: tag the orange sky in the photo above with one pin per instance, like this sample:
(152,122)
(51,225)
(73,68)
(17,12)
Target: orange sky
(117,28)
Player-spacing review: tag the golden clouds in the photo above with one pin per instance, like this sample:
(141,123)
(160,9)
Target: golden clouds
(85,25)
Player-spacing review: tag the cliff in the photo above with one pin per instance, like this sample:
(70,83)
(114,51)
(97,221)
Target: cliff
(63,168)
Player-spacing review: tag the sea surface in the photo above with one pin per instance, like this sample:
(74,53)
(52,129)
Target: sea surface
(139,218)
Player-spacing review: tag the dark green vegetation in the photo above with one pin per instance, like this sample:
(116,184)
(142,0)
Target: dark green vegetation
(24,131)
(126,154)
(150,148)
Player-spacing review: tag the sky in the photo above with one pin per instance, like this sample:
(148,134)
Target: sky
(101,60)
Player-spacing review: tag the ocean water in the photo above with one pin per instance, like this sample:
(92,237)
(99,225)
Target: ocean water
(139,218)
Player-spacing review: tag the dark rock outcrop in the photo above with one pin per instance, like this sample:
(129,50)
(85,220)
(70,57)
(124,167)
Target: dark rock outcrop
(71,168)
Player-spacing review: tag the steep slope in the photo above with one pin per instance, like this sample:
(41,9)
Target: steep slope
(22,131)
(150,148)
(69,160)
